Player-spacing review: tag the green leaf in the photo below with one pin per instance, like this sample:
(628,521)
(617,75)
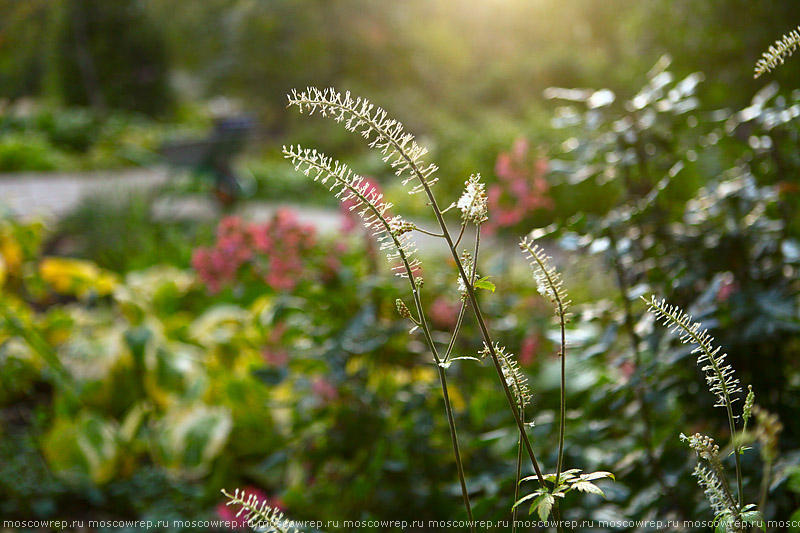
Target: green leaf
(723,520)
(527,497)
(484,283)
(597,475)
(566,475)
(754,518)
(591,488)
(545,504)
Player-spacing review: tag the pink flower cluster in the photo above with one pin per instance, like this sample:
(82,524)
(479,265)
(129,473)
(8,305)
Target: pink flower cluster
(274,250)
(523,187)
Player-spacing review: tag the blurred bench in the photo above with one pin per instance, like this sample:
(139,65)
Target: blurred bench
(213,157)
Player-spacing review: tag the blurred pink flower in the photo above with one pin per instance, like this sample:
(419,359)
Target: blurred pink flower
(276,251)
(527,352)
(444,312)
(522,189)
(726,289)
(324,390)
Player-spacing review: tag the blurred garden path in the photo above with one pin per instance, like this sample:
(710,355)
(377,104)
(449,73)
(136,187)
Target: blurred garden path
(34,194)
(56,194)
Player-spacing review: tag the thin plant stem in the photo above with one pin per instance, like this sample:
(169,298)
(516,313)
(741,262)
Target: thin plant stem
(481,321)
(460,233)
(456,330)
(423,324)
(517,478)
(461,311)
(426,232)
(447,403)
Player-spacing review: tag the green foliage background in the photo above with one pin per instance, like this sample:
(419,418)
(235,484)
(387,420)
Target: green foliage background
(131,390)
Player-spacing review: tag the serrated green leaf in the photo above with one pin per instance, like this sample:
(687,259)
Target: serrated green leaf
(566,475)
(527,497)
(485,284)
(545,506)
(723,520)
(591,488)
(597,475)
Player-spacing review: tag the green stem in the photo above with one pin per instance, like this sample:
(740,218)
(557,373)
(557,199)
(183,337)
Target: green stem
(443,381)
(481,322)
(517,478)
(423,324)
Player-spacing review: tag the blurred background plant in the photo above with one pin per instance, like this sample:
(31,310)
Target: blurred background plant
(147,360)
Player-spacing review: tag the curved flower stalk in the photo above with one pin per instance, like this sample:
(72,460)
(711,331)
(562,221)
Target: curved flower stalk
(722,500)
(777,53)
(719,376)
(393,233)
(550,285)
(259,515)
(712,489)
(358,115)
(516,381)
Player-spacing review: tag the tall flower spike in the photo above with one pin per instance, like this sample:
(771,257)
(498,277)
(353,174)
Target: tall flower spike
(719,376)
(514,377)
(259,515)
(473,201)
(777,53)
(469,269)
(706,449)
(712,488)
(548,280)
(358,115)
(393,234)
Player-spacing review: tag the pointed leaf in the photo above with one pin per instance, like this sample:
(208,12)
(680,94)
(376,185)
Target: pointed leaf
(591,488)
(598,475)
(485,284)
(544,506)
(528,497)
